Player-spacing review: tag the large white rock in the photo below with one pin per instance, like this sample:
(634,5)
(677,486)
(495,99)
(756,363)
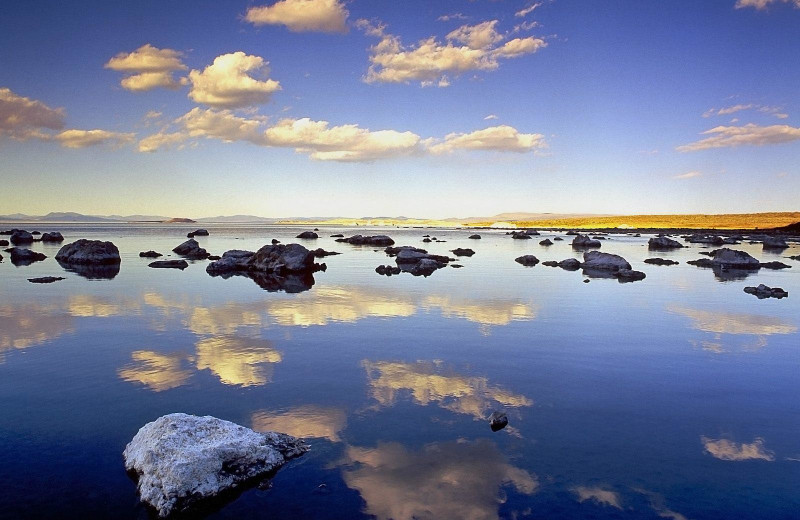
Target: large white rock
(181,459)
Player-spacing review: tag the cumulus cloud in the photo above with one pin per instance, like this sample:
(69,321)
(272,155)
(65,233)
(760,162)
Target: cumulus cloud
(329,16)
(688,175)
(24,118)
(750,134)
(468,48)
(82,138)
(528,10)
(502,138)
(227,82)
(763,4)
(148,68)
(725,449)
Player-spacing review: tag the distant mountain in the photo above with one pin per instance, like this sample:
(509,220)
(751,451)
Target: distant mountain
(240,219)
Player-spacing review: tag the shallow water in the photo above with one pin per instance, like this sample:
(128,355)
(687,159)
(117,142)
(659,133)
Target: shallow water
(673,397)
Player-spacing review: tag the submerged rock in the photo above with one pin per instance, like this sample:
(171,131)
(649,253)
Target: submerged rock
(21,256)
(21,237)
(475,237)
(321,253)
(89,252)
(462,252)
(181,460)
(660,261)
(149,254)
(584,241)
(46,279)
(527,260)
(762,291)
(169,264)
(55,236)
(774,265)
(191,249)
(498,421)
(376,240)
(307,235)
(663,243)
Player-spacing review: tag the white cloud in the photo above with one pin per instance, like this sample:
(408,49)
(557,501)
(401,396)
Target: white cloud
(688,175)
(161,140)
(765,109)
(468,48)
(82,138)
(763,4)
(23,118)
(328,16)
(448,17)
(227,82)
(148,68)
(750,134)
(501,138)
(724,449)
(490,116)
(528,10)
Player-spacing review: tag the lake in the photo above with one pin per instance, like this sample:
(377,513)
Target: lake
(674,397)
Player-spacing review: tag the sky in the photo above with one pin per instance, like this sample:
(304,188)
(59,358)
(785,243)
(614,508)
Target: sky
(419,108)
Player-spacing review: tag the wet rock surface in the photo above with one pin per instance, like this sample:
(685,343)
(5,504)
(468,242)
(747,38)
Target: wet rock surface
(46,279)
(21,256)
(763,291)
(527,260)
(191,249)
(660,261)
(582,241)
(89,252)
(149,254)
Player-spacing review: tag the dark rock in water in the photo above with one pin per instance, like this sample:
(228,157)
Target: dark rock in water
(520,236)
(273,267)
(321,253)
(456,266)
(52,237)
(307,235)
(527,260)
(424,267)
(149,254)
(36,232)
(582,241)
(604,261)
(629,275)
(425,236)
(570,264)
(337,235)
(663,243)
(92,271)
(774,243)
(275,241)
(701,262)
(550,263)
(191,250)
(197,233)
(498,421)
(89,252)
(660,261)
(21,256)
(1,258)
(395,250)
(475,237)
(730,241)
(558,238)
(182,460)
(377,240)
(570,232)
(214,257)
(387,270)
(707,253)
(705,239)
(46,279)
(586,280)
(598,237)
(732,258)
(762,291)
(21,237)
(169,264)
(463,252)
(426,240)
(546,242)
(774,265)
(796,257)
(3,243)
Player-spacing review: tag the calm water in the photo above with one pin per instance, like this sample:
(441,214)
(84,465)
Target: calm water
(674,397)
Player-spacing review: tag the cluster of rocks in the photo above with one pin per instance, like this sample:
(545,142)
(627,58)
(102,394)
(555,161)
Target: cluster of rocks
(523,235)
(584,242)
(388,270)
(570,264)
(376,240)
(762,291)
(197,233)
(726,258)
(416,261)
(599,265)
(273,267)
(191,249)
(90,258)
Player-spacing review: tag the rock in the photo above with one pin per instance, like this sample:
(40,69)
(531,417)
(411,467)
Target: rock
(586,280)
(200,232)
(730,241)
(337,235)
(762,291)
(55,236)
(463,252)
(774,265)
(701,262)
(663,243)
(149,254)
(21,256)
(36,232)
(498,421)
(550,263)
(307,235)
(275,241)
(527,260)
(426,240)
(424,267)
(558,239)
(89,252)
(321,253)
(705,239)
(276,259)
(518,235)
(660,261)
(3,243)
(733,258)
(387,270)
(377,240)
(415,260)
(182,459)
(796,257)
(582,241)
(191,250)
(629,275)
(20,237)
(456,266)
(531,232)
(604,261)
(774,243)
(571,232)
(46,279)
(169,264)
(546,242)
(570,264)
(214,257)
(475,237)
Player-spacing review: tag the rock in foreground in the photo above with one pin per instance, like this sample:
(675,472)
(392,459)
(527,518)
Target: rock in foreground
(89,252)
(182,459)
(762,291)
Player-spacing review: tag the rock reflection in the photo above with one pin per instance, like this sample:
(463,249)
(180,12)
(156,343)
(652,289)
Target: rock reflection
(30,324)
(459,480)
(304,421)
(292,283)
(156,371)
(237,361)
(92,272)
(725,449)
(428,383)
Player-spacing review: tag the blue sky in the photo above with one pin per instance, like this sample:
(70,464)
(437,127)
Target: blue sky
(417,108)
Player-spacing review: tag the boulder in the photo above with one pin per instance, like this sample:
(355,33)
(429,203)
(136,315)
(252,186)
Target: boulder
(732,258)
(149,254)
(181,460)
(774,243)
(275,241)
(307,235)
(463,252)
(558,239)
(571,232)
(276,259)
(426,240)
(701,262)
(200,232)
(387,270)
(663,243)
(660,261)
(604,261)
(20,237)
(46,279)
(3,243)
(169,264)
(89,252)
(582,241)
(527,260)
(498,421)
(55,236)
(762,291)
(550,263)
(546,242)
(629,275)
(191,250)
(376,240)
(519,235)
(774,265)
(424,267)
(570,264)
(21,256)
(475,237)
(321,253)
